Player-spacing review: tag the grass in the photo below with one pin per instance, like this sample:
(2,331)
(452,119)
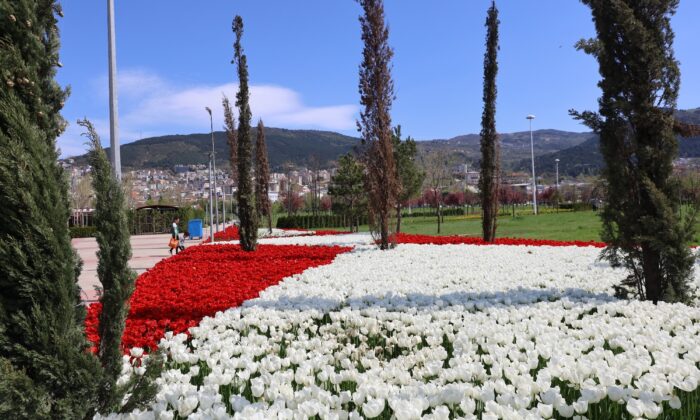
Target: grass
(562,226)
(581,226)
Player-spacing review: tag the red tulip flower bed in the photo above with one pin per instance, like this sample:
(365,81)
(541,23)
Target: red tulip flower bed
(231,233)
(228,234)
(200,281)
(404,238)
(322,232)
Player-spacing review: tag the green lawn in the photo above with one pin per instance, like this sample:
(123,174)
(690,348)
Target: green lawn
(581,225)
(563,226)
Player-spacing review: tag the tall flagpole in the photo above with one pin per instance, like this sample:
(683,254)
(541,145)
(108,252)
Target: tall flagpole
(113,113)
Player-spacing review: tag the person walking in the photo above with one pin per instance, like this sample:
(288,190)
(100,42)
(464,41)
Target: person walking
(174,237)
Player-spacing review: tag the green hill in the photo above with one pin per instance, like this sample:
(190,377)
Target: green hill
(297,146)
(578,152)
(585,158)
(514,146)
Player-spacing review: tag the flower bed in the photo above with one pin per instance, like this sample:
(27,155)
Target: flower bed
(228,234)
(176,293)
(404,238)
(440,331)
(231,233)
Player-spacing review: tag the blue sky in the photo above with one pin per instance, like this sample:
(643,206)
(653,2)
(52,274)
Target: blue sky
(174,59)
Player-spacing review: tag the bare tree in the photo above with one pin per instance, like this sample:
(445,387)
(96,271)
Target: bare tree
(262,178)
(231,137)
(315,168)
(288,192)
(82,195)
(437,179)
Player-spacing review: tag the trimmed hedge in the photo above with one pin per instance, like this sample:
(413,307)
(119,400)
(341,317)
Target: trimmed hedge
(576,206)
(82,231)
(447,211)
(309,221)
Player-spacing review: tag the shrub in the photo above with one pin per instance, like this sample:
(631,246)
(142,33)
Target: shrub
(83,231)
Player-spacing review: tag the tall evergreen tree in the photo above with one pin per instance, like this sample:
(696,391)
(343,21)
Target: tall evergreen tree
(246,192)
(410,176)
(231,138)
(488,181)
(376,95)
(45,368)
(262,177)
(116,277)
(640,83)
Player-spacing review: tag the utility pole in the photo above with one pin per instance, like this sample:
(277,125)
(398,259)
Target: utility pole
(113,113)
(556,161)
(534,179)
(213,160)
(211,205)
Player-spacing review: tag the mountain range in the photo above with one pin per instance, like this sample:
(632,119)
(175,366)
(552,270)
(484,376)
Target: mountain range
(578,152)
(585,158)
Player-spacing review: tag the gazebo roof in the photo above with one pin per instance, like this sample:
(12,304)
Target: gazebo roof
(158,207)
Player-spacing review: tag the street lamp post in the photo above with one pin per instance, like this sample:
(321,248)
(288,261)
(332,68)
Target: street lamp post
(556,161)
(213,160)
(223,200)
(211,204)
(532,153)
(113,113)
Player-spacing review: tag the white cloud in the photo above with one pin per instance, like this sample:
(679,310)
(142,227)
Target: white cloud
(149,105)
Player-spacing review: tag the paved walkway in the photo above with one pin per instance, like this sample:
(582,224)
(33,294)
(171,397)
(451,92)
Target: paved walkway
(146,250)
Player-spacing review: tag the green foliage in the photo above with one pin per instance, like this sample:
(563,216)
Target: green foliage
(320,221)
(445,211)
(83,231)
(43,350)
(141,389)
(640,83)
(117,279)
(19,397)
(409,174)
(488,181)
(246,192)
(347,190)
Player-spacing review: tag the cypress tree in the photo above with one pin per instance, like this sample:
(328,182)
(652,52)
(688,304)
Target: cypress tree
(246,194)
(45,368)
(376,95)
(640,83)
(116,277)
(488,181)
(262,177)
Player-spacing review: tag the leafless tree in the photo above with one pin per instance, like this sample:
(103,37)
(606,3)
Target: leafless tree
(438,179)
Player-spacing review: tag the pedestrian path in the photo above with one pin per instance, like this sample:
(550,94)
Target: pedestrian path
(146,251)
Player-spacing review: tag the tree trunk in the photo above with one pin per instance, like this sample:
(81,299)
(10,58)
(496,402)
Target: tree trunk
(398,219)
(438,218)
(652,274)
